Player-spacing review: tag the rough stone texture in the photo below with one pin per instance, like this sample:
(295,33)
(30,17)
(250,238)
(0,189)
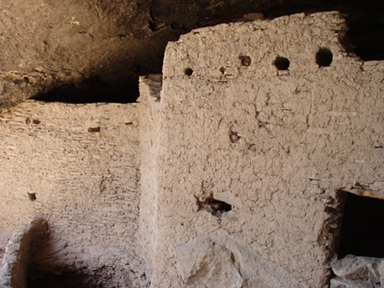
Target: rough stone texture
(14,266)
(239,163)
(63,263)
(338,282)
(276,145)
(365,270)
(5,235)
(80,163)
(94,50)
(57,45)
(223,260)
(381,272)
(150,87)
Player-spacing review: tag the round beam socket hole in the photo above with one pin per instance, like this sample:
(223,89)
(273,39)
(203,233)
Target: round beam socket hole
(281,63)
(245,60)
(324,57)
(188,71)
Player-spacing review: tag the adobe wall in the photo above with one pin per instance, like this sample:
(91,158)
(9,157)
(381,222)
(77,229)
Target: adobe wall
(227,177)
(80,163)
(275,145)
(149,103)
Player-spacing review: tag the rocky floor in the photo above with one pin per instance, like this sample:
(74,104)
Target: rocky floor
(357,271)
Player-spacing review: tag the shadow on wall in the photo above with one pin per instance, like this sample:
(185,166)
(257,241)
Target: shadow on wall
(65,279)
(47,269)
(365,21)
(41,273)
(29,262)
(90,90)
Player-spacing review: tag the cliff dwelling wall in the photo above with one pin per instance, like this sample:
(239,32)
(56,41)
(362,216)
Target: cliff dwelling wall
(261,124)
(76,166)
(94,50)
(226,173)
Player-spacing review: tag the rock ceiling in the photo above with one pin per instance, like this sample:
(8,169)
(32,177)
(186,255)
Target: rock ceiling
(94,50)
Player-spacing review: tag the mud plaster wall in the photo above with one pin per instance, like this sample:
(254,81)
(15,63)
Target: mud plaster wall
(150,87)
(81,163)
(275,145)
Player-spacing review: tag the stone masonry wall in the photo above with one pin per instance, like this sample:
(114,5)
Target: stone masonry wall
(274,144)
(80,163)
(14,266)
(228,177)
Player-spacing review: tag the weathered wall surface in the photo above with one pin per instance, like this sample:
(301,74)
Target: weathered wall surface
(14,266)
(80,162)
(276,145)
(150,88)
(227,126)
(90,48)
(51,44)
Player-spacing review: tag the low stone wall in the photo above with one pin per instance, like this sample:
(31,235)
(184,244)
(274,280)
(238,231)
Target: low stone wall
(13,270)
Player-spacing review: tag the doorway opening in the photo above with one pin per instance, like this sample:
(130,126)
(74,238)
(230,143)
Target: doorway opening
(362,230)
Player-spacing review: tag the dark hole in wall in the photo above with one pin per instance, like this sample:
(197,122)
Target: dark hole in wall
(281,63)
(31,196)
(213,206)
(245,60)
(188,71)
(90,90)
(362,230)
(324,57)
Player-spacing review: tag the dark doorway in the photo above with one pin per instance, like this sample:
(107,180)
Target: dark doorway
(362,230)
